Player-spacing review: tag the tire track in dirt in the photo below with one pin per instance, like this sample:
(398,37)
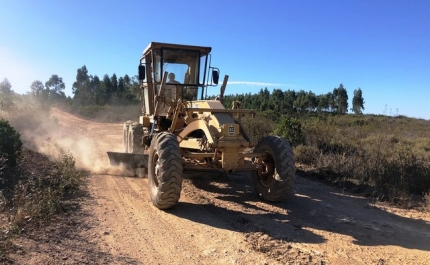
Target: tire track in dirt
(129,219)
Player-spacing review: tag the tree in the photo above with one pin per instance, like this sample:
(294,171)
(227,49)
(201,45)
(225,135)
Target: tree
(276,101)
(263,99)
(332,100)
(6,102)
(81,80)
(323,102)
(5,87)
(133,85)
(96,90)
(81,77)
(341,99)
(311,101)
(107,87)
(55,86)
(37,88)
(301,103)
(81,87)
(289,98)
(114,83)
(358,101)
(121,92)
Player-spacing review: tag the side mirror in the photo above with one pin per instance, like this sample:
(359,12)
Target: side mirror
(142,72)
(215,76)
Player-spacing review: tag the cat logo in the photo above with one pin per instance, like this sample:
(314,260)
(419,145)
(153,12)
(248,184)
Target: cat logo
(231,131)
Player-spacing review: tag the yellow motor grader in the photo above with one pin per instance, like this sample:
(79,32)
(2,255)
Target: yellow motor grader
(179,131)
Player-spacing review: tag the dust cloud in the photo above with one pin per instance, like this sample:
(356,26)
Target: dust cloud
(53,132)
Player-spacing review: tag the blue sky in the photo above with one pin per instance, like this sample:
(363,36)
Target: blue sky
(381,46)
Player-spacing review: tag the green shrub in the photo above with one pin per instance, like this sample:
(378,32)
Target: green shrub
(10,143)
(71,179)
(291,130)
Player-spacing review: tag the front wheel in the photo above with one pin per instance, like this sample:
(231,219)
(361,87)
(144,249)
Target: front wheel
(165,170)
(276,178)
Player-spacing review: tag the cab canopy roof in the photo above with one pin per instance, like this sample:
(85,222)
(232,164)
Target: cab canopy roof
(160,45)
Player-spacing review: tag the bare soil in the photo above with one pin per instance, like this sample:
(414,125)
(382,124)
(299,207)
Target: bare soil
(218,220)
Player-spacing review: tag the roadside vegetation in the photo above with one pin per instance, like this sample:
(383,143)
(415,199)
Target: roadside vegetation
(33,187)
(387,158)
(383,157)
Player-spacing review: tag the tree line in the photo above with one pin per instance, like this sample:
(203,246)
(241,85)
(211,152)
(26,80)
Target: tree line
(301,102)
(87,89)
(91,90)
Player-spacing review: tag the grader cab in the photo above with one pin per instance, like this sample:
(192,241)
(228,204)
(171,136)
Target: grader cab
(178,131)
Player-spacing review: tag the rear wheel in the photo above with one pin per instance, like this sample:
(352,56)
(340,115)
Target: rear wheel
(165,170)
(134,142)
(276,179)
(125,135)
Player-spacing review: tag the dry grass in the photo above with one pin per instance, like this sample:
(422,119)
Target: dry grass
(389,157)
(257,127)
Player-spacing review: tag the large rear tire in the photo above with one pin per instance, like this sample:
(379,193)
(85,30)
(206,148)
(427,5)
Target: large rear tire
(135,134)
(165,170)
(277,177)
(125,135)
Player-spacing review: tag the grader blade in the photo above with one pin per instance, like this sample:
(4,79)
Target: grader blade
(128,160)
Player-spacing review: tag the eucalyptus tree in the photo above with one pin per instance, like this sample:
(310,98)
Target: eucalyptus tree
(55,87)
(357,101)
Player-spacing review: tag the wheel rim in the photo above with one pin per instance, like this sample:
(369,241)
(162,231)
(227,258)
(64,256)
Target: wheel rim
(266,177)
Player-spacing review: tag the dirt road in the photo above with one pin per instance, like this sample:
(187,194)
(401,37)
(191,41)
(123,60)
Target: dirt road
(219,220)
